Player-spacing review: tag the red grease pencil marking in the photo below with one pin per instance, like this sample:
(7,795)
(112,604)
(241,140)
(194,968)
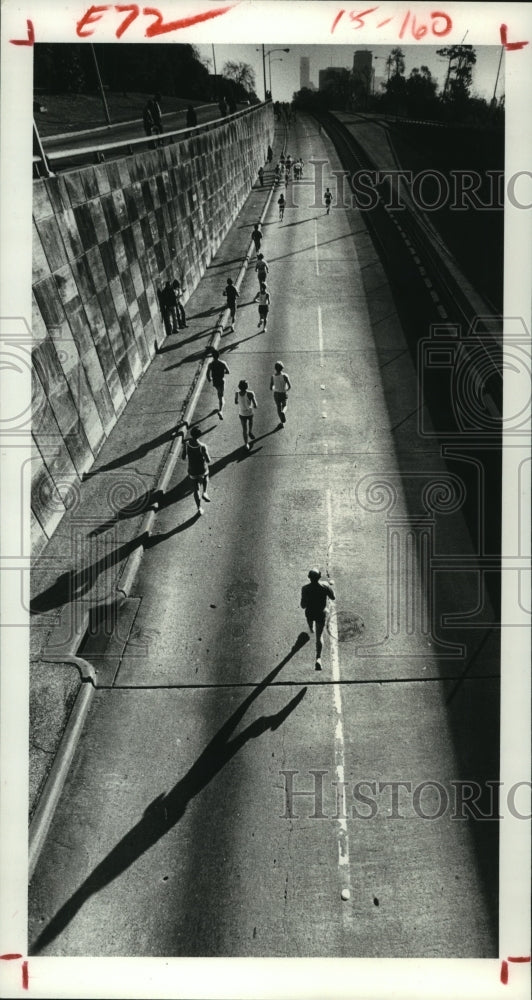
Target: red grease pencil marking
(25,41)
(160,28)
(504,965)
(25,975)
(510,46)
(10,956)
(337,18)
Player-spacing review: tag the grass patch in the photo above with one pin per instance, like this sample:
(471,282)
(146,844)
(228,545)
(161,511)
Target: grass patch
(74,112)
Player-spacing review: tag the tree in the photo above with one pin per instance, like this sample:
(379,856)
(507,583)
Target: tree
(395,63)
(459,77)
(338,89)
(242,74)
(420,90)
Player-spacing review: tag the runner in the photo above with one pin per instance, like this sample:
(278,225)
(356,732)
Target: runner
(216,373)
(198,459)
(327,199)
(314,597)
(256,236)
(262,268)
(280,385)
(246,402)
(282,204)
(264,307)
(231,295)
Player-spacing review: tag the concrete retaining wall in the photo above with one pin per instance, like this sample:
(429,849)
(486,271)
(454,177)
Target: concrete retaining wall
(105,238)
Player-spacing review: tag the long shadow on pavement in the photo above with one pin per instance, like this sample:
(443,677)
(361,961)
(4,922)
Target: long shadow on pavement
(324,243)
(186,340)
(166,810)
(76,583)
(130,456)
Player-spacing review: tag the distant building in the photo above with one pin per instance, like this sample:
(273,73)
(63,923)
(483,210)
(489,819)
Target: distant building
(363,70)
(304,72)
(328,74)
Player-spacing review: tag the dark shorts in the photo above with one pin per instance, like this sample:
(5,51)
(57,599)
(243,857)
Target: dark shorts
(219,386)
(263,310)
(243,420)
(316,616)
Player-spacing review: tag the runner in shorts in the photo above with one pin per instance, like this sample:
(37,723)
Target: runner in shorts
(198,459)
(264,307)
(216,373)
(280,385)
(262,267)
(314,597)
(231,295)
(246,402)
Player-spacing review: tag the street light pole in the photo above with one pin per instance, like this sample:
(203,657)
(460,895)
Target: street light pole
(264,70)
(264,54)
(270,60)
(102,92)
(497,77)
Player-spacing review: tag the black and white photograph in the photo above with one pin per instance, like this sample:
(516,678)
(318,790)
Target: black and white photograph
(265,444)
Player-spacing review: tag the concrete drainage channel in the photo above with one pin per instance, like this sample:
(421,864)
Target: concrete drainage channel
(77,619)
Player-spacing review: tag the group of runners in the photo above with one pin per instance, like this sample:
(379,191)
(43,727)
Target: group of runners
(316,594)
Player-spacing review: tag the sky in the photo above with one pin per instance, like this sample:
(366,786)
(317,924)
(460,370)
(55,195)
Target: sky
(285,66)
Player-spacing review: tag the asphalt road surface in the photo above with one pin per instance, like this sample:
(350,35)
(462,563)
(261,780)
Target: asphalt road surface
(181,830)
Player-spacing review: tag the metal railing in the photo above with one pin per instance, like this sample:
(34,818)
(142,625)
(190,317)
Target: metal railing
(42,164)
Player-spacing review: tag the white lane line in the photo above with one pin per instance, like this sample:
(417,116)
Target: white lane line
(320,337)
(316,246)
(339,742)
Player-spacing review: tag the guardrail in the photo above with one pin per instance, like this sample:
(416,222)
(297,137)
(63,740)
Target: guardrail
(42,164)
(463,300)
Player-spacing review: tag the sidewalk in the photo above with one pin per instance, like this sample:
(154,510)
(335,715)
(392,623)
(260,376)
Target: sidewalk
(85,572)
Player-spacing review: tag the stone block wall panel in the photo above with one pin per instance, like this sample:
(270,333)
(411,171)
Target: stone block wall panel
(105,240)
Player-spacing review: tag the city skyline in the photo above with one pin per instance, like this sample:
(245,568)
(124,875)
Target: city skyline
(286,67)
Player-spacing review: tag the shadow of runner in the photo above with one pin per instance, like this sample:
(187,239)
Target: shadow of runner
(75,583)
(135,453)
(186,340)
(166,810)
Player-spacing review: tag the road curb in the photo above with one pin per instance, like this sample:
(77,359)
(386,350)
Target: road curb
(43,815)
(49,797)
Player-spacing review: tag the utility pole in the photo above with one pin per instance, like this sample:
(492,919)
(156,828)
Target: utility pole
(102,92)
(497,77)
(264,70)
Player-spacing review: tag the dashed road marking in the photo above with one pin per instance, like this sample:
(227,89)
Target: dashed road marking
(316,246)
(339,741)
(320,337)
